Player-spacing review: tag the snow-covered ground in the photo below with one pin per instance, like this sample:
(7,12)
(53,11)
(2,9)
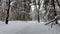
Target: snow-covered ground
(27,27)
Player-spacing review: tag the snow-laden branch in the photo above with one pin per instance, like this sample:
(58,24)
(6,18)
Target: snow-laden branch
(11,3)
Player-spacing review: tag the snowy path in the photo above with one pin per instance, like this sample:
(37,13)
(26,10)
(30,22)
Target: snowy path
(27,28)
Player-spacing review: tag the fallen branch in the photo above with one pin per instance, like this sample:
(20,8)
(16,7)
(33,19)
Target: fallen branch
(55,19)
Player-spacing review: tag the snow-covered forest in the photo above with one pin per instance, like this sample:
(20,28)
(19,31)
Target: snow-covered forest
(32,15)
(28,10)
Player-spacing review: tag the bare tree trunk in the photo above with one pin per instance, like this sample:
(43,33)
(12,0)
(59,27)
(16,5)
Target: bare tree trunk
(38,11)
(24,10)
(54,10)
(7,13)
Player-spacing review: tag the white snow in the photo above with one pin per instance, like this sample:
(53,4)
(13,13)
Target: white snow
(27,27)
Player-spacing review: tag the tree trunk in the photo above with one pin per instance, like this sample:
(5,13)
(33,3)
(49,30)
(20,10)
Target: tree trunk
(38,11)
(7,13)
(54,10)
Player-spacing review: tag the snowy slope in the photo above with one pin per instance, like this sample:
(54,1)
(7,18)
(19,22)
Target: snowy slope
(22,27)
